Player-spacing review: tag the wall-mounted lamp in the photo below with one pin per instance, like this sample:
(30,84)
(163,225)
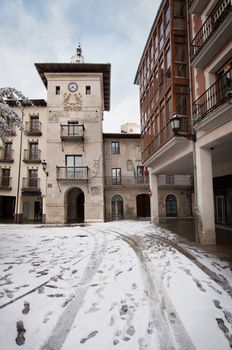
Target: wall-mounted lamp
(44,166)
(175,124)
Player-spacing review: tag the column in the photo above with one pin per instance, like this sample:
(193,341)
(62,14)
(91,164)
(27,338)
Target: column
(154,197)
(205,207)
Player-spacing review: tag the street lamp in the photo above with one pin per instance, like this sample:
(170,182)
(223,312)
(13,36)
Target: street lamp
(175,124)
(44,166)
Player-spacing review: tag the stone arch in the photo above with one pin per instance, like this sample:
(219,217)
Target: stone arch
(75,205)
(117,209)
(171,205)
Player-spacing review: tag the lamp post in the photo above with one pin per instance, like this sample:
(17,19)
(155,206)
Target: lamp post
(175,124)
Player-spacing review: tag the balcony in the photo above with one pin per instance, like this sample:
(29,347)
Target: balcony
(33,128)
(31,184)
(5,183)
(72,132)
(6,156)
(127,181)
(217,94)
(213,35)
(197,6)
(72,173)
(32,156)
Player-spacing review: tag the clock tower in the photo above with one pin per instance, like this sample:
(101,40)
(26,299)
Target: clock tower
(78,93)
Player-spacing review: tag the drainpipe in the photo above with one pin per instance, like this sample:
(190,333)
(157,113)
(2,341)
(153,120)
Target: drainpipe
(19,173)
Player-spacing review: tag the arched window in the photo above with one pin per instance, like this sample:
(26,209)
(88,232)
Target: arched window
(117,207)
(171,206)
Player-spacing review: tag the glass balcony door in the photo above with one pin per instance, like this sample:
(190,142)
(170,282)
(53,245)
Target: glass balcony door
(74,164)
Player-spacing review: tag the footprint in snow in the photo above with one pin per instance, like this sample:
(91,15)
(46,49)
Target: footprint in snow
(26,308)
(91,335)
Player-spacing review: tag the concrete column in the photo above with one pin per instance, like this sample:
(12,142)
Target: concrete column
(205,210)
(154,197)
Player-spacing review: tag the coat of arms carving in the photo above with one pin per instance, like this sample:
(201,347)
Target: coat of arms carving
(72,102)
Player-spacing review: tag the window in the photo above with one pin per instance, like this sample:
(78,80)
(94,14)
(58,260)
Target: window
(140,174)
(5,180)
(161,32)
(116,176)
(171,206)
(34,123)
(57,90)
(74,168)
(179,14)
(170,180)
(88,90)
(167,21)
(33,151)
(161,77)
(33,178)
(8,151)
(115,147)
(73,129)
(168,64)
(180,60)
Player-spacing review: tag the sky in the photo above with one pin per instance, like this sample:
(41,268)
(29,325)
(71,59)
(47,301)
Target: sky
(110,31)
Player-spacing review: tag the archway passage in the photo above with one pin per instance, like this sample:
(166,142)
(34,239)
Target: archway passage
(171,206)
(117,207)
(143,206)
(75,206)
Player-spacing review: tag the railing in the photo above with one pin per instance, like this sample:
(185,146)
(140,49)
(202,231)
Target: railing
(32,156)
(214,21)
(72,173)
(175,180)
(127,180)
(31,184)
(33,128)
(72,131)
(5,183)
(217,94)
(6,155)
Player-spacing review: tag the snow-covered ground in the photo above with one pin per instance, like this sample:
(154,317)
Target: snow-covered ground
(121,285)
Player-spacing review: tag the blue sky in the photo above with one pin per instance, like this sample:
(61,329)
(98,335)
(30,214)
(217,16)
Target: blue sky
(113,31)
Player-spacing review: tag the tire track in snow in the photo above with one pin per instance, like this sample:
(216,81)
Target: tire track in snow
(64,324)
(181,339)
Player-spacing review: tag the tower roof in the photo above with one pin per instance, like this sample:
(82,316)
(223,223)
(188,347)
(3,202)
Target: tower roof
(104,68)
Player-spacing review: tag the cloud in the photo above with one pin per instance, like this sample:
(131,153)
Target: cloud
(48,31)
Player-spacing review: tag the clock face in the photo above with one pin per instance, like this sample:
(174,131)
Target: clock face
(72,87)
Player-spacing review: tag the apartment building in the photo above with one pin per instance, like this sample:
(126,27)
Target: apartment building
(198,92)
(211,69)
(126,179)
(163,79)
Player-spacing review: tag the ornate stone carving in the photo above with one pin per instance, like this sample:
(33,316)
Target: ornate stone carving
(72,102)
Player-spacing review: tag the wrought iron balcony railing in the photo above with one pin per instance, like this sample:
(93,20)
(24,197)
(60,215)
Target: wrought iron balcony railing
(33,128)
(32,156)
(5,183)
(31,184)
(217,94)
(215,20)
(72,132)
(127,180)
(6,155)
(72,173)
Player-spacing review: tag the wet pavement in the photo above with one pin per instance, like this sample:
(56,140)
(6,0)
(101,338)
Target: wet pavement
(185,229)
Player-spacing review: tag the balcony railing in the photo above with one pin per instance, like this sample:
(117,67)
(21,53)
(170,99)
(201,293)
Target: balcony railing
(33,128)
(127,181)
(72,173)
(175,180)
(222,10)
(6,155)
(217,94)
(72,132)
(31,184)
(5,183)
(32,156)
